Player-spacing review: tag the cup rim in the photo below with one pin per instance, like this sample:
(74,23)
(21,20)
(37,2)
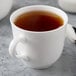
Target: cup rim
(31,6)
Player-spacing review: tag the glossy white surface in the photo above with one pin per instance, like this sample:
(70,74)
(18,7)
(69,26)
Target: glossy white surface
(42,48)
(68,5)
(5,6)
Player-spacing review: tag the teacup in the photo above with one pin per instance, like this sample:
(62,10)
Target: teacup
(39,49)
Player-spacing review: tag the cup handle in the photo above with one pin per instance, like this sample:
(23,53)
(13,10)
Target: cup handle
(12,48)
(71,33)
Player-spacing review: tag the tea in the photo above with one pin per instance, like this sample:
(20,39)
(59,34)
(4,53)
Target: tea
(38,21)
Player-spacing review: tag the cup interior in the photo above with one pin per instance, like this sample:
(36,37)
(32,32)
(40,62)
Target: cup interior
(47,8)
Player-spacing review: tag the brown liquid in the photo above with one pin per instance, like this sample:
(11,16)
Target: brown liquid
(38,21)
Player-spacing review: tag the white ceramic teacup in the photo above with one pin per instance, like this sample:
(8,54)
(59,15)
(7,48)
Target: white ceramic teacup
(38,49)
